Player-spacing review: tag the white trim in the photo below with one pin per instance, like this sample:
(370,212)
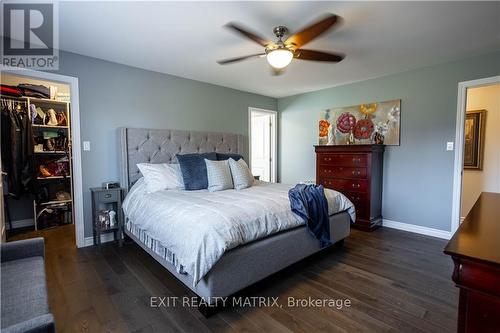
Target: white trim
(459,145)
(20,224)
(109,237)
(417,229)
(274,140)
(76,144)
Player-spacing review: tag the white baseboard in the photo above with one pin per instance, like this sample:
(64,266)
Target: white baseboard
(108,237)
(20,224)
(417,229)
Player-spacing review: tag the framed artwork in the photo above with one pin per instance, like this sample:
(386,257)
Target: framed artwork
(474,139)
(373,123)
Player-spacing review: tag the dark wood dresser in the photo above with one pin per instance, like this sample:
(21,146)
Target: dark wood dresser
(356,171)
(475,250)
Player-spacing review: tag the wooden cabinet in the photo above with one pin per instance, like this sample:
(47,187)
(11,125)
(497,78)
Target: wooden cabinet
(356,171)
(476,256)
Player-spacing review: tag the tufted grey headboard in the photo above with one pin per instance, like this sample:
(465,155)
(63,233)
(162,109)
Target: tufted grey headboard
(142,145)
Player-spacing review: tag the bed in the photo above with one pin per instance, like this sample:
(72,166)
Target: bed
(236,266)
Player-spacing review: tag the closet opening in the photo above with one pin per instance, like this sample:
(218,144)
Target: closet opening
(37,150)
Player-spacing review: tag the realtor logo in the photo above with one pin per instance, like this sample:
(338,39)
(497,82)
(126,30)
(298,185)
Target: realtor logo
(30,38)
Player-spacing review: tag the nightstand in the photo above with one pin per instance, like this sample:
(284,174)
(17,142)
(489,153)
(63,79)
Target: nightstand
(104,203)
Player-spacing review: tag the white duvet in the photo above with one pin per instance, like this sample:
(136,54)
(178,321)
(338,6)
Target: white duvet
(199,226)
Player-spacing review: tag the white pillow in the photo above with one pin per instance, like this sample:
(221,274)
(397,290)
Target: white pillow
(218,175)
(242,176)
(161,176)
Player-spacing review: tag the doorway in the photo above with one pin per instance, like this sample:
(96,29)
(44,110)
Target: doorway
(466,179)
(61,103)
(263,150)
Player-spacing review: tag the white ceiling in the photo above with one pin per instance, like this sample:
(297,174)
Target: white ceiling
(186,39)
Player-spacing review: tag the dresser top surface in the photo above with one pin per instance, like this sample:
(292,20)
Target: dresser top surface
(351,148)
(478,237)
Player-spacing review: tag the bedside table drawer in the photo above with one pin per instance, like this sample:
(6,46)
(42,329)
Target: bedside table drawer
(111,196)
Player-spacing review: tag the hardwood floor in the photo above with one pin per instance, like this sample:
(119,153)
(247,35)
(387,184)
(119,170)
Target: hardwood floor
(396,281)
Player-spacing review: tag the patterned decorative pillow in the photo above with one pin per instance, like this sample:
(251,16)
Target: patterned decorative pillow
(242,176)
(194,170)
(219,175)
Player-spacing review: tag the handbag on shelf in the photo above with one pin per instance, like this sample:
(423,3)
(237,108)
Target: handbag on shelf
(62,195)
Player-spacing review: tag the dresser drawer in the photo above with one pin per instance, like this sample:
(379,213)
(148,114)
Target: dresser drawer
(343,185)
(361,203)
(326,171)
(357,198)
(343,159)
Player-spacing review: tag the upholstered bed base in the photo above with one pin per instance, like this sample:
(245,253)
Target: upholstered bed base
(249,263)
(239,267)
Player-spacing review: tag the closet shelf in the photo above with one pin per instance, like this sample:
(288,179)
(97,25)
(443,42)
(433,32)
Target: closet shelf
(49,126)
(51,152)
(54,202)
(46,100)
(53,177)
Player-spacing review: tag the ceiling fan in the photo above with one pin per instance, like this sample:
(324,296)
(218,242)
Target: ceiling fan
(279,54)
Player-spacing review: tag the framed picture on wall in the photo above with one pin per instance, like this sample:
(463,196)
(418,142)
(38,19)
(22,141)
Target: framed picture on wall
(474,139)
(372,123)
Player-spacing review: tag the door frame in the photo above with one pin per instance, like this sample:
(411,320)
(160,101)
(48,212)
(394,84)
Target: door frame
(76,140)
(274,140)
(459,144)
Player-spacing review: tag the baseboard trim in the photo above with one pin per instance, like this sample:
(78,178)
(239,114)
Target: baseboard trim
(417,229)
(109,237)
(20,224)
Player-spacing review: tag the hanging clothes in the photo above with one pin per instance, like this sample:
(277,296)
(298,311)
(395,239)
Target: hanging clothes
(17,148)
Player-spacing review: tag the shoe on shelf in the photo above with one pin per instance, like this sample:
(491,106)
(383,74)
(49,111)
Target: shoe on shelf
(52,117)
(44,171)
(61,119)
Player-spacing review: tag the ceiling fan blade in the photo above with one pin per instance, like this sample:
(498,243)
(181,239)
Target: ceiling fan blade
(312,31)
(303,54)
(231,60)
(250,35)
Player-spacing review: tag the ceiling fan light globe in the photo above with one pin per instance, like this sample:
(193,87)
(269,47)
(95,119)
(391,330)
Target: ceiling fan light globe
(279,58)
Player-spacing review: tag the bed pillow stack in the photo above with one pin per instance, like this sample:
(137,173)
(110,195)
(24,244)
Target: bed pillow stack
(161,176)
(242,176)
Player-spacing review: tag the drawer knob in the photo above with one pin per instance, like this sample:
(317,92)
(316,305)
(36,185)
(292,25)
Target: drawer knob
(107,195)
(356,173)
(356,160)
(356,185)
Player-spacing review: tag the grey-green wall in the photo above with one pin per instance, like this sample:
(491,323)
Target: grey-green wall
(114,95)
(418,174)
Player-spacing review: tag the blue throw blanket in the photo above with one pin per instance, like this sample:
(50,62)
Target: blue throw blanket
(310,203)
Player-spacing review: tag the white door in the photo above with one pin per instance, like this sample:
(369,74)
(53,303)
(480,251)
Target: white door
(262,144)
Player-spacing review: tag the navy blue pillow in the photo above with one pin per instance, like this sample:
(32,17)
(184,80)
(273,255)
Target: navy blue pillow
(194,170)
(223,157)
